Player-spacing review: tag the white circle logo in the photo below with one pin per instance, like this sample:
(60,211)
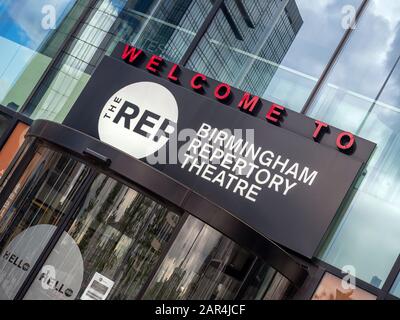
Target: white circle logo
(139,119)
(59,279)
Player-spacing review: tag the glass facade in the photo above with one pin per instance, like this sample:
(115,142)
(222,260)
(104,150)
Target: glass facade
(272,50)
(281,50)
(268,48)
(30,36)
(165,28)
(360,95)
(265,29)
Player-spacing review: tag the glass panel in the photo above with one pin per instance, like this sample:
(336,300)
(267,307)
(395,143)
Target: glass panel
(265,283)
(331,288)
(120,234)
(361,96)
(396,287)
(36,205)
(203,264)
(271,48)
(165,28)
(28,42)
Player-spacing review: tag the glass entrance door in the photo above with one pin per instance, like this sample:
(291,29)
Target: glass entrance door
(120,234)
(35,208)
(68,231)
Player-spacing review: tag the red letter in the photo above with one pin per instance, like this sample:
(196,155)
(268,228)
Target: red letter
(245,103)
(171,74)
(154,63)
(349,144)
(131,52)
(274,113)
(319,125)
(224,96)
(196,77)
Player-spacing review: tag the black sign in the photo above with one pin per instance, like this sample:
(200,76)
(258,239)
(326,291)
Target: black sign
(284,184)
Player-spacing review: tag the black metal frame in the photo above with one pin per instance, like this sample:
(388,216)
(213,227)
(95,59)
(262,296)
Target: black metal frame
(14,118)
(152,183)
(216,6)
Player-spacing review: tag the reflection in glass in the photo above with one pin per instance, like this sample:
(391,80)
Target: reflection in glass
(40,198)
(165,28)
(28,43)
(203,264)
(271,48)
(120,234)
(264,283)
(368,236)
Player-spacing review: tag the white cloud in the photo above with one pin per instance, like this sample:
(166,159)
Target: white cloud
(388,10)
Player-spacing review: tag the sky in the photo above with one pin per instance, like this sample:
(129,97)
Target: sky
(21,20)
(21,33)
(319,35)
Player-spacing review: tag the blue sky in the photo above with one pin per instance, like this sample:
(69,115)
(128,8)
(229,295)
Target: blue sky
(9,29)
(21,20)
(21,33)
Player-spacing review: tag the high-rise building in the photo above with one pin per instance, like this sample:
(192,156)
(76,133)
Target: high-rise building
(247,51)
